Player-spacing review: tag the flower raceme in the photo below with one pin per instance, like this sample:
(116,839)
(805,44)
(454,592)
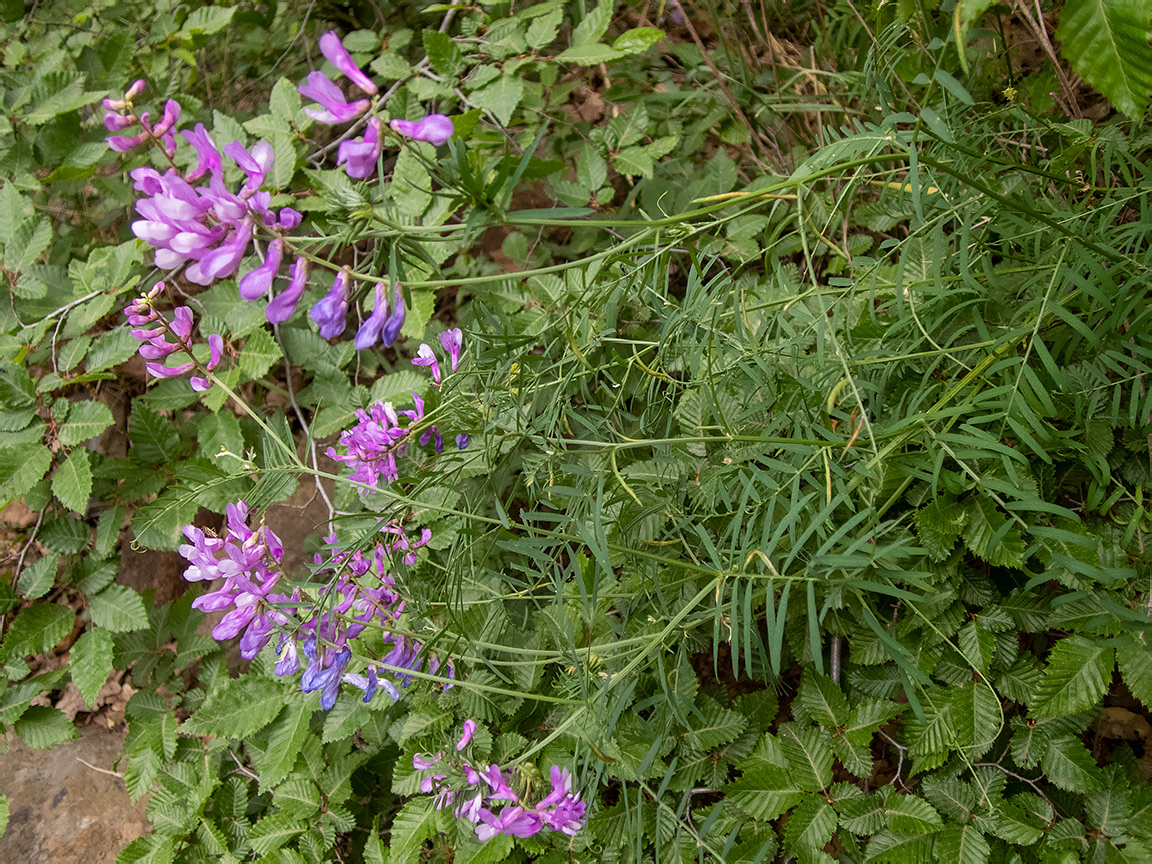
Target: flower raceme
(152,330)
(560,810)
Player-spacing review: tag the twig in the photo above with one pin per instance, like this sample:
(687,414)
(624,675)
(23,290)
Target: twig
(901,749)
(101,770)
(240,767)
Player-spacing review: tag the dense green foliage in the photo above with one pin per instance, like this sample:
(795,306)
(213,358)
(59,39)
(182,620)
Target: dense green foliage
(803,516)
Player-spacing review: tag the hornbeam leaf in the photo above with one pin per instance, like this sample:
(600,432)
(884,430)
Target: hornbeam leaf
(764,792)
(962,844)
(1079,671)
(1106,41)
(1069,765)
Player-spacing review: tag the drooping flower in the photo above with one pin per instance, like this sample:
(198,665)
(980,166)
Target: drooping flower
(283,305)
(258,283)
(469,731)
(359,157)
(435,129)
(334,109)
(155,346)
(426,357)
(395,322)
(452,341)
(332,310)
(333,49)
(369,331)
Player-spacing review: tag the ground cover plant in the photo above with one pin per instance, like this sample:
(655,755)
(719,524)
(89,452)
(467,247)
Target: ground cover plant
(729,422)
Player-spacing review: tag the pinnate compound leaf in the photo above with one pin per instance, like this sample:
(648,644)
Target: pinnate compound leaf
(118,609)
(1079,671)
(1106,41)
(90,661)
(1068,764)
(239,707)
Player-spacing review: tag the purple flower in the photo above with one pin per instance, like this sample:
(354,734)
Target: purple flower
(461,441)
(435,129)
(115,122)
(216,349)
(452,341)
(208,157)
(255,164)
(338,56)
(283,306)
(258,283)
(369,331)
(361,156)
(224,259)
(425,357)
(122,144)
(335,110)
(469,731)
(515,821)
(332,309)
(395,322)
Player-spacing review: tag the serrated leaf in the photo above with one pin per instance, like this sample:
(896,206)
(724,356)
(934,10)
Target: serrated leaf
(962,844)
(719,726)
(637,40)
(153,439)
(1069,765)
(72,481)
(634,160)
(272,832)
(22,467)
(938,524)
(887,847)
(1079,671)
(37,579)
(809,756)
(765,792)
(590,54)
(86,420)
(285,741)
(1135,661)
(1106,41)
(118,609)
(259,353)
(238,708)
(823,700)
(37,629)
(908,814)
(42,727)
(501,97)
(445,56)
(90,661)
(285,102)
(593,25)
(414,824)
(990,535)
(810,826)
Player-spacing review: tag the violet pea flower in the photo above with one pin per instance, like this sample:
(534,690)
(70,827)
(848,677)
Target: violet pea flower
(452,341)
(257,284)
(208,157)
(461,441)
(515,821)
(359,157)
(330,312)
(255,164)
(335,110)
(289,219)
(216,349)
(395,322)
(469,731)
(369,331)
(333,49)
(122,144)
(435,129)
(115,122)
(425,357)
(283,306)
(224,259)
(170,118)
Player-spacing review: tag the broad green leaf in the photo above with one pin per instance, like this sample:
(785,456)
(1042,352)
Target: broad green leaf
(1135,662)
(37,579)
(1107,43)
(1069,765)
(765,792)
(206,21)
(991,536)
(72,481)
(1079,671)
(415,823)
(90,661)
(888,847)
(961,844)
(501,97)
(37,629)
(967,13)
(823,700)
(239,707)
(810,826)
(259,353)
(3,814)
(589,55)
(809,756)
(637,40)
(42,727)
(118,609)
(593,25)
(86,420)
(272,832)
(909,814)
(21,467)
(444,55)
(719,726)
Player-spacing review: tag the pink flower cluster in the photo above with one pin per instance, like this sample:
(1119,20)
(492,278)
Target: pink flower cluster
(381,435)
(359,156)
(155,346)
(560,810)
(250,562)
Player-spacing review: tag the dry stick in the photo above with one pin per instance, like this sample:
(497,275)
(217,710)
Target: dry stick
(901,749)
(101,770)
(1041,33)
